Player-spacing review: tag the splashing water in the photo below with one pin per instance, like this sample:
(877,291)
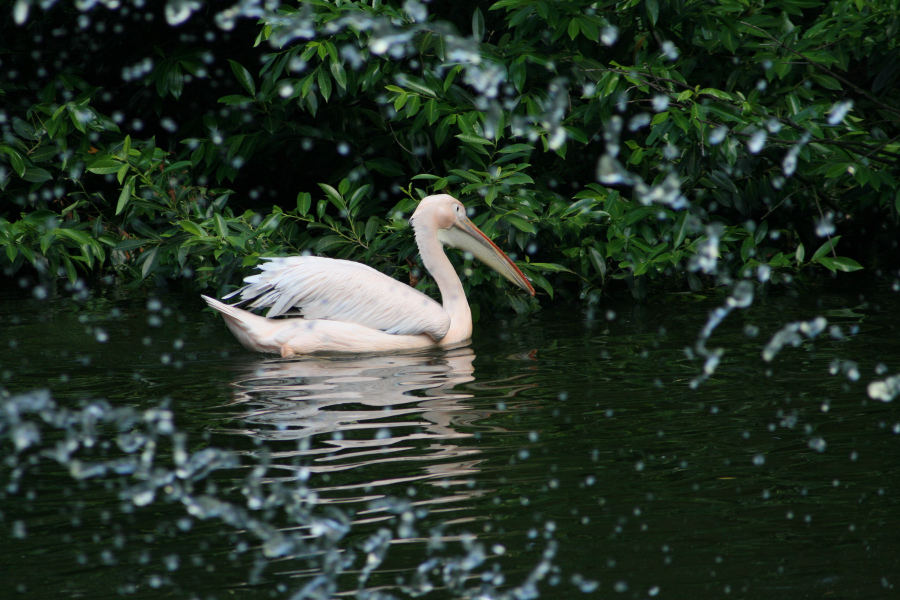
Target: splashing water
(757,141)
(706,259)
(789,163)
(741,297)
(611,172)
(885,389)
(793,334)
(717,135)
(839,111)
(609,35)
(660,102)
(825,225)
(670,50)
(179,11)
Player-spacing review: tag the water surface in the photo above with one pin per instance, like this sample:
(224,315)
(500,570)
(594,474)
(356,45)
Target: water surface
(559,456)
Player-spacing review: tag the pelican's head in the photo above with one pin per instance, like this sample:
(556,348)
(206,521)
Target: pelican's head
(444,217)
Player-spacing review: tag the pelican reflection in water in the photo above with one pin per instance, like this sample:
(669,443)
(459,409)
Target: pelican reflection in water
(382,420)
(349,307)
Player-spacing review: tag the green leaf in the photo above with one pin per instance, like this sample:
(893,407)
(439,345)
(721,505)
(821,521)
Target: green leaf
(235,100)
(551,267)
(304,201)
(682,230)
(478,25)
(148,261)
(104,165)
(178,166)
(652,7)
(79,237)
(125,195)
(598,261)
(221,225)
(15,159)
(324,84)
(328,242)
(334,197)
(243,76)
(827,81)
(473,139)
(840,263)
(520,223)
(800,254)
(192,228)
(339,74)
(825,248)
(36,175)
(385,166)
(371,227)
(418,87)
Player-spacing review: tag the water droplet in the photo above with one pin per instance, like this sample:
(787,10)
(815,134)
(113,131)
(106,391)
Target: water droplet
(717,135)
(818,444)
(759,460)
(609,35)
(839,111)
(825,225)
(586,586)
(25,434)
(639,120)
(416,10)
(285,90)
(742,296)
(660,102)
(20,11)
(610,172)
(179,11)
(885,390)
(669,50)
(557,138)
(168,124)
(757,141)
(18,530)
(789,163)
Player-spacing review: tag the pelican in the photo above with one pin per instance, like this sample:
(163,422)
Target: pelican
(346,306)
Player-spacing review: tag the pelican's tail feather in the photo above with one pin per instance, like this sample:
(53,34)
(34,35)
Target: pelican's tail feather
(253,331)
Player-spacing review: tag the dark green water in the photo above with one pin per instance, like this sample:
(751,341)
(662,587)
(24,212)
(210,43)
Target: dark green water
(560,456)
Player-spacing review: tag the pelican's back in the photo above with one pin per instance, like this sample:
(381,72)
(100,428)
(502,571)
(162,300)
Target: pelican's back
(345,291)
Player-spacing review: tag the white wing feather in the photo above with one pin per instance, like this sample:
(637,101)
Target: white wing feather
(342,290)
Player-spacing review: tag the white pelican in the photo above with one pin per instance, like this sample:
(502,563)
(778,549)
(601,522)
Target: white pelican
(349,307)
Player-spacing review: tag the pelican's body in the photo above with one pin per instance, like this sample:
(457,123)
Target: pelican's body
(349,307)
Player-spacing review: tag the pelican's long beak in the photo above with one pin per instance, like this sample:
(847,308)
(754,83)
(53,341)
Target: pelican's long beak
(464,235)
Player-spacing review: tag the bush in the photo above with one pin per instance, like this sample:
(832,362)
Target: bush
(673,144)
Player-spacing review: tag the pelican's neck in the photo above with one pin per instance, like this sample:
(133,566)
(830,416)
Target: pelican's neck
(452,294)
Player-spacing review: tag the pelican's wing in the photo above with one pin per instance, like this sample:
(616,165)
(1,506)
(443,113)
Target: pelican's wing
(341,290)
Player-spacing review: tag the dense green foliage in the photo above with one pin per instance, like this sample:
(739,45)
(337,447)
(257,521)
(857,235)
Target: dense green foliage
(673,143)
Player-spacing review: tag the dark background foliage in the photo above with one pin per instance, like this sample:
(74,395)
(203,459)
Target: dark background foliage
(608,145)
